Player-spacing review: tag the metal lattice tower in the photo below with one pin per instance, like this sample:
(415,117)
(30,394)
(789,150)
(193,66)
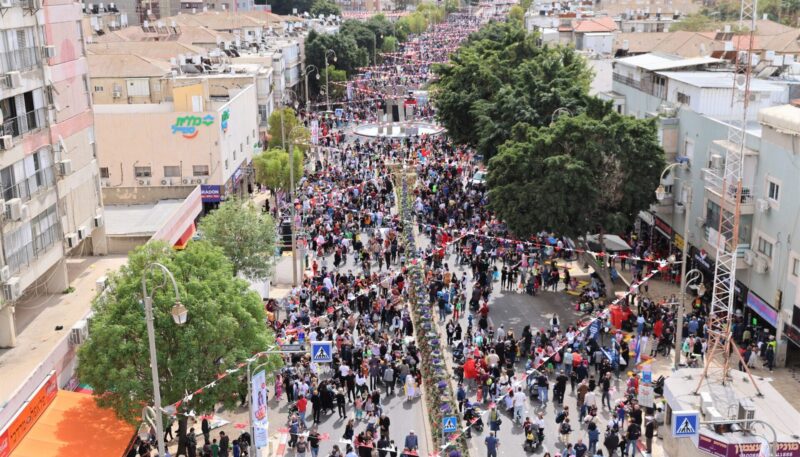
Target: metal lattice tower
(721,347)
(748,13)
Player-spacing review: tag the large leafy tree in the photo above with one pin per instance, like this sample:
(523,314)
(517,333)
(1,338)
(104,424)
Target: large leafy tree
(286,7)
(246,236)
(349,56)
(501,77)
(585,173)
(226,325)
(325,7)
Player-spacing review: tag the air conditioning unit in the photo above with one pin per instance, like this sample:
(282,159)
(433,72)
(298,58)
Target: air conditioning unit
(24,212)
(98,221)
(5,4)
(747,413)
(680,208)
(33,5)
(749,256)
(185,181)
(79,333)
(13,79)
(116,94)
(144,182)
(6,142)
(48,52)
(761,265)
(700,222)
(83,232)
(101,283)
(166,182)
(65,167)
(12,289)
(762,204)
(5,273)
(71,239)
(14,207)
(105,182)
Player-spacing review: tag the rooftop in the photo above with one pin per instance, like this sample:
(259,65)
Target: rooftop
(139,220)
(598,24)
(162,50)
(658,62)
(784,118)
(125,66)
(718,80)
(772,407)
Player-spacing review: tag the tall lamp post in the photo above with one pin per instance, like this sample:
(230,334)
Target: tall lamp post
(328,77)
(291,184)
(661,194)
(179,315)
(308,70)
(375,48)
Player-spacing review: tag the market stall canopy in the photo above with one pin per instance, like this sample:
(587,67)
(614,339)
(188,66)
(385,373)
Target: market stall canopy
(74,426)
(613,243)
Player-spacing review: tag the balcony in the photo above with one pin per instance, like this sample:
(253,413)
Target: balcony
(20,125)
(708,246)
(628,81)
(41,180)
(18,60)
(713,186)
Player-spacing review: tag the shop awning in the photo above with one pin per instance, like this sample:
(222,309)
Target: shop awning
(72,426)
(185,237)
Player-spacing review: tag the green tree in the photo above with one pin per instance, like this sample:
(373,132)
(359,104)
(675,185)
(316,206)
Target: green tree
(348,56)
(516,13)
(337,76)
(364,36)
(693,23)
(585,173)
(287,7)
(433,14)
(451,6)
(272,169)
(389,44)
(225,326)
(285,126)
(500,77)
(415,23)
(246,236)
(325,7)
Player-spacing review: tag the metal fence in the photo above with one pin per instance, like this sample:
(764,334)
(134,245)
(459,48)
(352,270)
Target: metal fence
(19,125)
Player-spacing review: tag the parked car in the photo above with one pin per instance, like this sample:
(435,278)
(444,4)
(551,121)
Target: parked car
(479,178)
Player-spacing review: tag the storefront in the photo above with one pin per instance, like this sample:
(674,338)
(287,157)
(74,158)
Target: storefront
(791,331)
(700,260)
(662,242)
(760,315)
(211,195)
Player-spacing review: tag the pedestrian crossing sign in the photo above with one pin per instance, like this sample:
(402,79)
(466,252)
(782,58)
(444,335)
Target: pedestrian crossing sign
(449,424)
(321,352)
(685,424)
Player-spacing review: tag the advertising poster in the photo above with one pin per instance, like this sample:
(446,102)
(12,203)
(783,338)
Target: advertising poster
(258,408)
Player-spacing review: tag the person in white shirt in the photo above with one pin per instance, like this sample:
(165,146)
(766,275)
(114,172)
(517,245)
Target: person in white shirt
(519,405)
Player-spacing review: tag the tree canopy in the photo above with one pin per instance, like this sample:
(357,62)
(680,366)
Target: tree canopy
(287,7)
(226,325)
(272,168)
(499,78)
(325,7)
(287,128)
(246,236)
(590,172)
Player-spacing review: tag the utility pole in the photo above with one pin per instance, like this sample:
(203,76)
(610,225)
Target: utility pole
(293,212)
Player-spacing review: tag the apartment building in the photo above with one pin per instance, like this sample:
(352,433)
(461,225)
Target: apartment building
(48,171)
(692,100)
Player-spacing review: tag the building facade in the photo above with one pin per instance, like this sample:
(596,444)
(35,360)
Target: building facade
(48,171)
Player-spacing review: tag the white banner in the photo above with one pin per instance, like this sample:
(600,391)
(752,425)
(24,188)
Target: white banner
(258,408)
(314,131)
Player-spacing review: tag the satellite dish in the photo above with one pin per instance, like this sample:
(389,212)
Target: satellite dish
(740,80)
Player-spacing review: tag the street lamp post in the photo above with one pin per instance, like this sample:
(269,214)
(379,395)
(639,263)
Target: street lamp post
(661,194)
(291,185)
(179,315)
(328,77)
(308,70)
(375,48)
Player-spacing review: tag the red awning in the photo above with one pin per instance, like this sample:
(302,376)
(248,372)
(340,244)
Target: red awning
(184,239)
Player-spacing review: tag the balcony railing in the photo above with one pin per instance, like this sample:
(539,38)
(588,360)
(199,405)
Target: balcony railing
(20,125)
(41,180)
(18,59)
(628,81)
(714,183)
(27,254)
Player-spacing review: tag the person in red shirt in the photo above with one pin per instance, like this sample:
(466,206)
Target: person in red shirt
(302,405)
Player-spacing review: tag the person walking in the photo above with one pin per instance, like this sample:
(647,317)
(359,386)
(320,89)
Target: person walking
(519,401)
(492,443)
(313,441)
(411,442)
(224,444)
(191,443)
(632,439)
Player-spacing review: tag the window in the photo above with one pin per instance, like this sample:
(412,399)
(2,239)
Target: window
(138,87)
(795,267)
(22,113)
(28,176)
(684,99)
(45,230)
(774,190)
(18,49)
(104,172)
(765,247)
(172,171)
(98,88)
(226,164)
(199,170)
(142,172)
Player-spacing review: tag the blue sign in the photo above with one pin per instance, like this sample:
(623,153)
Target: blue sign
(210,193)
(322,352)
(685,424)
(449,424)
(647,375)
(761,307)
(338,112)
(594,329)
